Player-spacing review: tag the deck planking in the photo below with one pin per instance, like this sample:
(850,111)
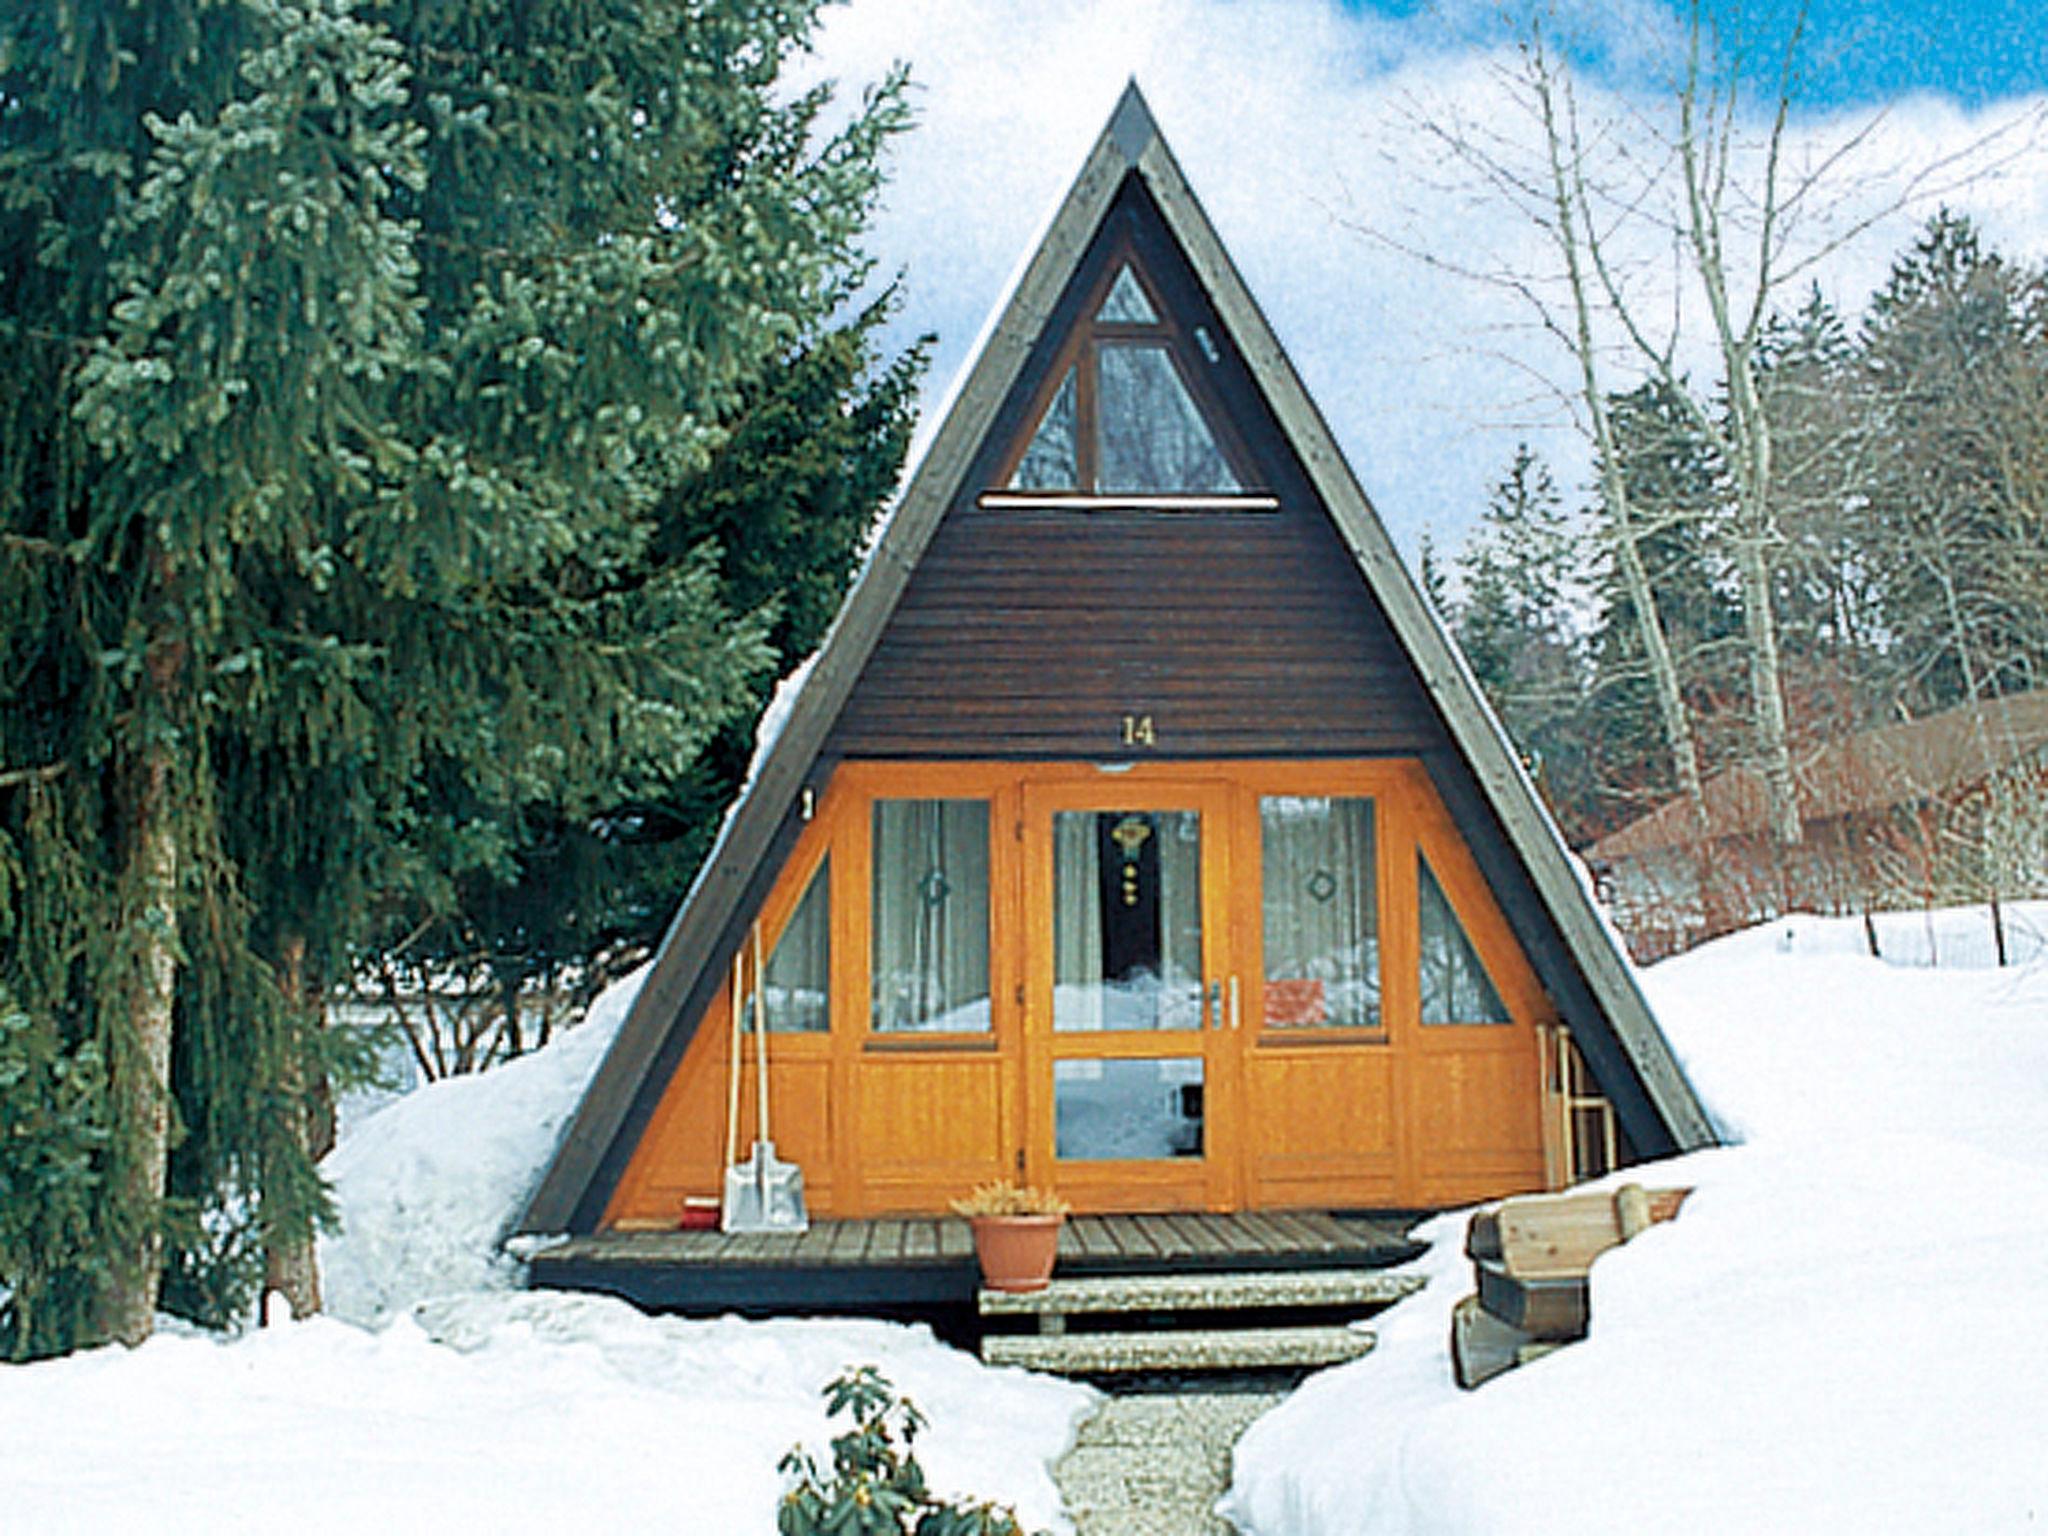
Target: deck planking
(916,1261)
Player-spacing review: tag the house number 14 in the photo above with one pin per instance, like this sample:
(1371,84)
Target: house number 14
(1138,731)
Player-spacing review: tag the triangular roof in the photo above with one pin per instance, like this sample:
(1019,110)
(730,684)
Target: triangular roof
(1661,1113)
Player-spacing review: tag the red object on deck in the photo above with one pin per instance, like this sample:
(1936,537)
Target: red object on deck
(700,1214)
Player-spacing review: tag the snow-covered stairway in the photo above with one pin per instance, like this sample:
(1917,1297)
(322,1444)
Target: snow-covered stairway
(1230,1320)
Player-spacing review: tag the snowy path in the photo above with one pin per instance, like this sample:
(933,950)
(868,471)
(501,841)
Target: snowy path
(1154,1462)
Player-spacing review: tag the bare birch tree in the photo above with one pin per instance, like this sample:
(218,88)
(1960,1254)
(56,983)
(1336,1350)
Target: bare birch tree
(1711,181)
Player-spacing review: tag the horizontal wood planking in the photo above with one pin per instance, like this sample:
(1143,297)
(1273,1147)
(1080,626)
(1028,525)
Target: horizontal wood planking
(1036,632)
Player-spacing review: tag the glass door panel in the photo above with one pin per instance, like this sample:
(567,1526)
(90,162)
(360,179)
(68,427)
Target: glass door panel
(1126,1018)
(1127,920)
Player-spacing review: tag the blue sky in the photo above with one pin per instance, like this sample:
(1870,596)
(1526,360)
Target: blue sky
(1856,53)
(1299,125)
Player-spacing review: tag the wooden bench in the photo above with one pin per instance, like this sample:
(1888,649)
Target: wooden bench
(1531,1260)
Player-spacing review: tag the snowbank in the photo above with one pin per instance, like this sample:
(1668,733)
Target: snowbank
(428,1186)
(537,1413)
(441,1397)
(1833,1336)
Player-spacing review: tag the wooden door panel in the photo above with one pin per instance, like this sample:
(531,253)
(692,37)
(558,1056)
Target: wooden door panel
(1475,1119)
(930,1129)
(683,1152)
(1320,1127)
(1204,1178)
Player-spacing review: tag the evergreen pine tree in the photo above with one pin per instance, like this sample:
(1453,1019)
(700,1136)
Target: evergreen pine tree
(356,349)
(1522,578)
(1955,390)
(1678,490)
(1828,570)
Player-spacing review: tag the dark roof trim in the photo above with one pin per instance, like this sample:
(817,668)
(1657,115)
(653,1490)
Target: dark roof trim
(568,1197)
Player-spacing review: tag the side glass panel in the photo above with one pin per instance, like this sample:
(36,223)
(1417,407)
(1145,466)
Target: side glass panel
(1153,436)
(1455,986)
(1321,900)
(1127,920)
(1126,1108)
(929,914)
(1049,463)
(796,994)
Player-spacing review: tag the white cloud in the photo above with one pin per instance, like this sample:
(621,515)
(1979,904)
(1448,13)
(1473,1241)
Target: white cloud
(1296,120)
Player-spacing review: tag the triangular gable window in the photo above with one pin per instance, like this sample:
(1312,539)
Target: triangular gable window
(1455,986)
(1124,421)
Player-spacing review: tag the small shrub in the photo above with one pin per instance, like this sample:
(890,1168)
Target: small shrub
(876,1488)
(1003,1198)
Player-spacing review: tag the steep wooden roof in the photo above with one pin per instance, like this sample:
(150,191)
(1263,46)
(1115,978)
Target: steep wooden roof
(1658,1106)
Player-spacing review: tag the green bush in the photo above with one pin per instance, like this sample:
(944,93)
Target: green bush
(876,1488)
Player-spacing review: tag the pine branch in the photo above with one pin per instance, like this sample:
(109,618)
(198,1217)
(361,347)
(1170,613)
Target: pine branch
(46,773)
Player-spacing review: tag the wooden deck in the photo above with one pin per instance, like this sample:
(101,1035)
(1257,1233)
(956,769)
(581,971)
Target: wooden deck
(879,1264)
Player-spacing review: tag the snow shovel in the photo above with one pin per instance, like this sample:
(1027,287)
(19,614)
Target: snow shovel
(762,1194)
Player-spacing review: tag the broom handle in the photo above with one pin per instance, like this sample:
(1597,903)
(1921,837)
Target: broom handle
(739,1039)
(760,1034)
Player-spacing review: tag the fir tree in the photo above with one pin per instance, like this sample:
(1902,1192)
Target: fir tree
(1828,572)
(1955,392)
(356,349)
(1674,480)
(1522,581)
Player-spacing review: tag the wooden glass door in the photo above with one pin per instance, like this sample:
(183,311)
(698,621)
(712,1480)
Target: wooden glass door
(1129,1060)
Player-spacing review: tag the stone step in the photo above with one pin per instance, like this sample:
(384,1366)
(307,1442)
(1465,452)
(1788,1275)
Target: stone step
(1223,1349)
(1203,1292)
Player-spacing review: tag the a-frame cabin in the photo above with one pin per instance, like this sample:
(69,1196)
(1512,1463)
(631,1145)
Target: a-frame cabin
(1136,832)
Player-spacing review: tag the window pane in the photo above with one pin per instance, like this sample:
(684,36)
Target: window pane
(796,997)
(1116,1109)
(1048,463)
(930,915)
(1455,986)
(1127,920)
(1153,437)
(1126,303)
(1321,902)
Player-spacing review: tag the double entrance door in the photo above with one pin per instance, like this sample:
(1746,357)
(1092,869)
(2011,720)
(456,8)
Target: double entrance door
(1284,985)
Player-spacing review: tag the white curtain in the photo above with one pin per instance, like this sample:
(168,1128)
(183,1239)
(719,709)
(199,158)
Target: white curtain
(1082,998)
(930,915)
(1321,912)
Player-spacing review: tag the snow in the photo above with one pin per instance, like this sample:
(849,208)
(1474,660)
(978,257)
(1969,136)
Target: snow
(440,1396)
(1834,1335)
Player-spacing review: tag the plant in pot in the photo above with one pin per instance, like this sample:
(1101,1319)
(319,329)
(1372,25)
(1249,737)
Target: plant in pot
(1016,1233)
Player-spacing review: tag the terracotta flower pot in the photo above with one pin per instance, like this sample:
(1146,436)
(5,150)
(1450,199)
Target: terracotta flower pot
(1016,1252)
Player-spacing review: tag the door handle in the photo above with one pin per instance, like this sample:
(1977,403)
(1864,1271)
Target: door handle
(1233,1003)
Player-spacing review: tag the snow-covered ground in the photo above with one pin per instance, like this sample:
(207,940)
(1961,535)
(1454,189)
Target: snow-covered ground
(439,1397)
(1840,1333)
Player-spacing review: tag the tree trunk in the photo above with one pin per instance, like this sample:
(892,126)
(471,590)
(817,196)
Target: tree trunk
(141,1067)
(1572,229)
(291,1265)
(1767,691)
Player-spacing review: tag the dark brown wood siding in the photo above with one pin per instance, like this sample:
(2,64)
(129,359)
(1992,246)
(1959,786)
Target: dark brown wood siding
(1036,633)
